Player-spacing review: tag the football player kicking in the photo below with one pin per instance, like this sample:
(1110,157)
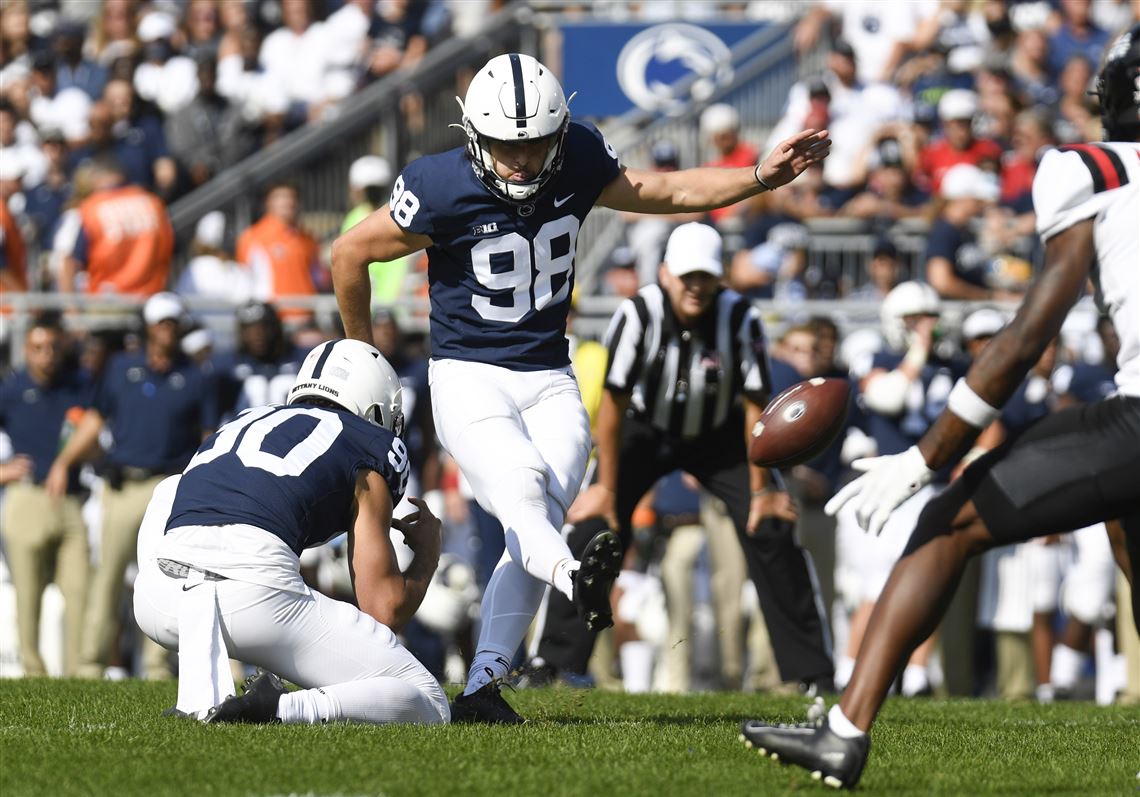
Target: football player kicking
(500,220)
(1071,469)
(219,568)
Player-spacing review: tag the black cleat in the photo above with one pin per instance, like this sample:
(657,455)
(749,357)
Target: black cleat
(258,705)
(485,705)
(600,566)
(830,758)
(174,712)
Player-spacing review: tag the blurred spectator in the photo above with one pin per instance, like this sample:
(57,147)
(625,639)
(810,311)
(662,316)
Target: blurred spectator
(998,104)
(103,143)
(1076,37)
(198,345)
(201,30)
(14,36)
(956,110)
(774,268)
(139,127)
(212,272)
(956,266)
(124,241)
(1078,118)
(889,194)
(619,276)
(879,33)
(369,183)
(159,407)
(259,95)
(263,367)
(209,134)
(72,68)
(45,200)
(112,33)
(20,144)
(882,273)
(398,40)
(1029,66)
(165,77)
(955,29)
(234,20)
(1032,135)
(13,251)
(45,538)
(294,56)
(720,126)
(646,234)
(283,257)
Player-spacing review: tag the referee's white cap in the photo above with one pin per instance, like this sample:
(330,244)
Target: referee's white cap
(694,247)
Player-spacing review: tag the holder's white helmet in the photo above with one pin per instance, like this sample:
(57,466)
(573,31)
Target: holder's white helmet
(355,376)
(907,298)
(514,98)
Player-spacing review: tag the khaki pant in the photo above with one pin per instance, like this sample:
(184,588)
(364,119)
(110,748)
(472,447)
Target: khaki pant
(1015,673)
(681,554)
(46,540)
(123,512)
(1129,640)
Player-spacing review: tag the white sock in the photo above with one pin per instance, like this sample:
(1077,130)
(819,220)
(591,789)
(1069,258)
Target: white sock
(1066,667)
(378,701)
(487,666)
(509,606)
(1044,694)
(914,680)
(562,581)
(840,725)
(637,666)
(843,670)
(309,707)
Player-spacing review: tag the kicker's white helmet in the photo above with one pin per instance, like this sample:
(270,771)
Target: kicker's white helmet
(905,299)
(514,98)
(357,377)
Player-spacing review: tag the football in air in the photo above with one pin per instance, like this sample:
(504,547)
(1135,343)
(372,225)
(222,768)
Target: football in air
(799,423)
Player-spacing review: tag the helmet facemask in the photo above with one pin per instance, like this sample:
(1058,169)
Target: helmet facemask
(483,162)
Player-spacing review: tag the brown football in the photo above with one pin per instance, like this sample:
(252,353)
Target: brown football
(799,423)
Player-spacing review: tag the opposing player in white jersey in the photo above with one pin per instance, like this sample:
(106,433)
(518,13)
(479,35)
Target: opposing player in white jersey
(500,220)
(219,568)
(1071,469)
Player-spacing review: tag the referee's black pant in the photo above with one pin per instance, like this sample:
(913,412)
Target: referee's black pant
(779,568)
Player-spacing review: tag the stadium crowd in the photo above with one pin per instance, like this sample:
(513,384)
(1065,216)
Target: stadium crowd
(939,112)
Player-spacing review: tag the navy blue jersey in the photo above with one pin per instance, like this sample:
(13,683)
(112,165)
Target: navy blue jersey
(246,381)
(157,419)
(288,470)
(925,400)
(1026,406)
(960,246)
(500,275)
(1091,382)
(38,418)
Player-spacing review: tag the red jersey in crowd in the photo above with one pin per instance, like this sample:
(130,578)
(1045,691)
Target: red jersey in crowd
(741,155)
(937,158)
(13,256)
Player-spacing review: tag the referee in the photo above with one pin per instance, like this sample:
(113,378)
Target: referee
(687,380)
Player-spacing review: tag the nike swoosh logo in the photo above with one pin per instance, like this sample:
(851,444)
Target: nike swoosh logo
(560,202)
(190,587)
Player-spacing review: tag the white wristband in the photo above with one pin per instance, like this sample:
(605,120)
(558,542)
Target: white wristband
(971,407)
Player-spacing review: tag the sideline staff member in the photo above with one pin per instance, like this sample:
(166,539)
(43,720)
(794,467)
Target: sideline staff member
(159,406)
(44,538)
(680,356)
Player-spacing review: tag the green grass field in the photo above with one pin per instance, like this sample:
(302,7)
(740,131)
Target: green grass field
(102,738)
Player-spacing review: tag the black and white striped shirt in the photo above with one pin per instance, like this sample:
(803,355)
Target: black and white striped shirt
(685,382)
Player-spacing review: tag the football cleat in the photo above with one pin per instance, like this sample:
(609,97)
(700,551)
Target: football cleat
(599,568)
(258,705)
(830,758)
(485,705)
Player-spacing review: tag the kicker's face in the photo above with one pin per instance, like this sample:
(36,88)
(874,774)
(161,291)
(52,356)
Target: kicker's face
(520,161)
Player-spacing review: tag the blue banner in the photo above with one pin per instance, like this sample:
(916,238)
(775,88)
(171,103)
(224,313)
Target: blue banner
(615,67)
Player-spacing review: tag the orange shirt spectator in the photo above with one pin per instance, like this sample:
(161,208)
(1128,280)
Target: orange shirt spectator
(282,256)
(721,125)
(13,257)
(124,242)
